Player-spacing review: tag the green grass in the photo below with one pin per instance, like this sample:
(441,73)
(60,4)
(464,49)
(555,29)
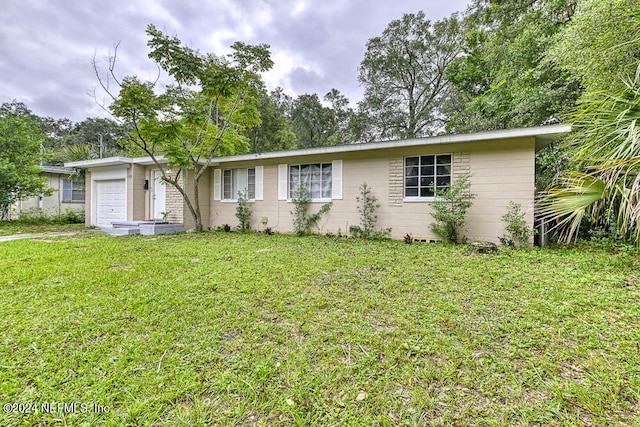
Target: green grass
(9,228)
(231,329)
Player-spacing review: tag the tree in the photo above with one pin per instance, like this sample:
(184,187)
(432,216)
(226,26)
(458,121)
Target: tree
(56,131)
(605,145)
(605,183)
(501,80)
(20,145)
(599,48)
(340,116)
(243,212)
(318,125)
(302,219)
(53,130)
(204,113)
(367,207)
(89,139)
(516,226)
(311,122)
(403,73)
(274,132)
(101,137)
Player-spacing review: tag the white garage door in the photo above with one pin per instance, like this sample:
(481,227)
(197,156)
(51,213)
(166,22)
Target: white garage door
(110,202)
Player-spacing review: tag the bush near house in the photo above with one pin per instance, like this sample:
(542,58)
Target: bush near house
(449,209)
(302,219)
(518,233)
(367,207)
(41,217)
(229,329)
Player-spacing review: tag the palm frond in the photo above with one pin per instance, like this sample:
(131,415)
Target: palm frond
(607,125)
(567,202)
(606,146)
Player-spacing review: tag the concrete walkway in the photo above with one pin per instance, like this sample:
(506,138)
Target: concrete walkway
(36,235)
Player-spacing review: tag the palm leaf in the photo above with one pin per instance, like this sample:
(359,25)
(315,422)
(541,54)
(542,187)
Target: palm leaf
(567,202)
(606,145)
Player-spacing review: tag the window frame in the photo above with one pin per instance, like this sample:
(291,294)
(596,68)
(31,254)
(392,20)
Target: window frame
(322,165)
(223,175)
(73,181)
(420,176)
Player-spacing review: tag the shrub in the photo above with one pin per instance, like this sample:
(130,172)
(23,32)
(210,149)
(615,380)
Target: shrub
(243,212)
(37,216)
(450,209)
(516,226)
(367,205)
(69,217)
(302,220)
(33,216)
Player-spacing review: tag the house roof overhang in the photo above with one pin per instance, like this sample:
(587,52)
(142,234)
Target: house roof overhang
(543,135)
(114,161)
(60,170)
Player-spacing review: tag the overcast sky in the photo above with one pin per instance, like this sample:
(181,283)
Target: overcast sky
(47,46)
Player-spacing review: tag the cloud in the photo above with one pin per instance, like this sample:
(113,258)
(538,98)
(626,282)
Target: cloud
(47,46)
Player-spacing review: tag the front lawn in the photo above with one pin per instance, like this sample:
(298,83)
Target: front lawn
(231,329)
(8,228)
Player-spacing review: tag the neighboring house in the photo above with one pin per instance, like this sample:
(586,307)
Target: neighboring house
(401,175)
(68,193)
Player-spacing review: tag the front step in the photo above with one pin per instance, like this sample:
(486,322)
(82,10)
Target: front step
(125,224)
(147,228)
(121,231)
(153,229)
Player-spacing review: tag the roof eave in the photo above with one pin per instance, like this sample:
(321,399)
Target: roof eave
(114,161)
(543,135)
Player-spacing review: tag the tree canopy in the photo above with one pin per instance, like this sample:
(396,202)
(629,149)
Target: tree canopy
(600,46)
(204,113)
(274,133)
(403,74)
(604,186)
(501,81)
(20,147)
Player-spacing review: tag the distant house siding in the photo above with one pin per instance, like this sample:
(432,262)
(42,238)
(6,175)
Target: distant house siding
(55,204)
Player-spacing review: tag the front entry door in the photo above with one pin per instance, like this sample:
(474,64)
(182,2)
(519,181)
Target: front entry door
(158,195)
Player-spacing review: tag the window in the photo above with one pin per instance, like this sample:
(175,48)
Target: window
(235,181)
(423,174)
(315,178)
(73,190)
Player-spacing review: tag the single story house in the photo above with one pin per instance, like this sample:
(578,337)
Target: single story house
(401,175)
(68,193)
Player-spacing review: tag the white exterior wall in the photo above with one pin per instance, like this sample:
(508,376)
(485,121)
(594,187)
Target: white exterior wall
(50,205)
(501,171)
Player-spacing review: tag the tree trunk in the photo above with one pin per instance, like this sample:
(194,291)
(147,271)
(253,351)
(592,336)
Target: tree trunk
(197,215)
(194,208)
